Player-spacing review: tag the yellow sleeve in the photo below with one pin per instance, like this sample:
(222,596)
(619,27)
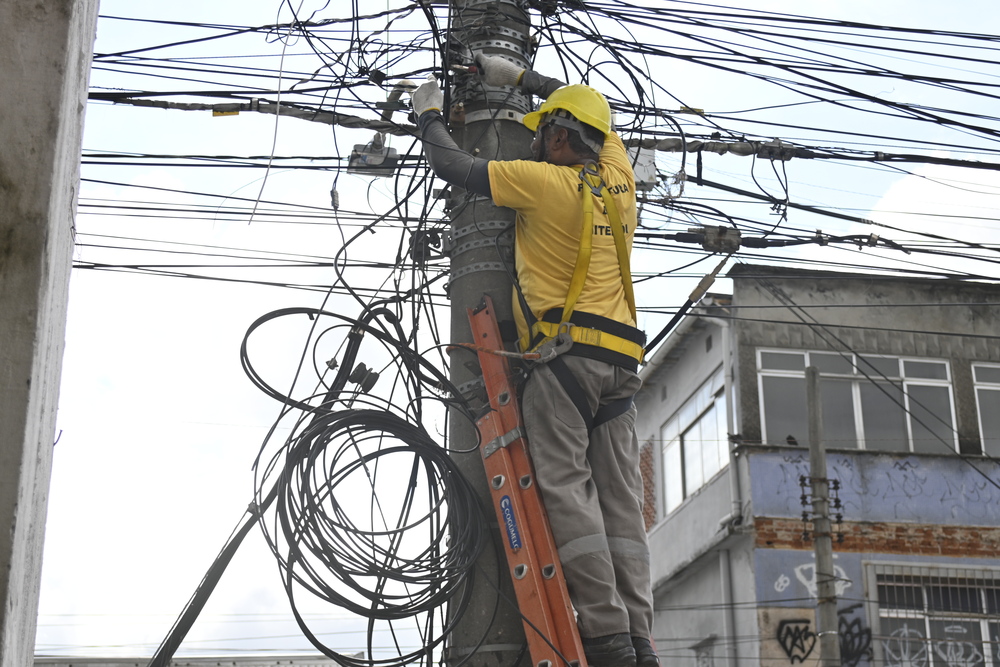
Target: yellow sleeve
(614,154)
(516,183)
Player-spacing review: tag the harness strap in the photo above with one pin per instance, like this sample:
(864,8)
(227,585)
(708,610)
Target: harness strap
(591,336)
(612,410)
(574,391)
(618,233)
(582,257)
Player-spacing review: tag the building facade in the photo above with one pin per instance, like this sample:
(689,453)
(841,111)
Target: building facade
(910,393)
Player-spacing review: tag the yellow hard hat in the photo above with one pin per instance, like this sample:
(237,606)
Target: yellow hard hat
(585,103)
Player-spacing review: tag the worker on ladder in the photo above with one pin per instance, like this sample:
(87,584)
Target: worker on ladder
(576,216)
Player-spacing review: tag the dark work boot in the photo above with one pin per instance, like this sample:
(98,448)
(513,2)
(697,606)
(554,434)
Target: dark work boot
(609,651)
(645,654)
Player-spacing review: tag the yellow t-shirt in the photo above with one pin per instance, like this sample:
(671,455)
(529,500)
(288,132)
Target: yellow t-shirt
(548,200)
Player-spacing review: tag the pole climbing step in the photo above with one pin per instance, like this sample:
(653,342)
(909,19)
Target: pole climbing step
(546,610)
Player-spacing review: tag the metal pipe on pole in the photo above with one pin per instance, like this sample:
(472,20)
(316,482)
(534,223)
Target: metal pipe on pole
(826,581)
(485,121)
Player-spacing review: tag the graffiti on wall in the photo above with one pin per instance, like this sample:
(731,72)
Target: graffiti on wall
(907,646)
(855,638)
(805,574)
(796,641)
(796,638)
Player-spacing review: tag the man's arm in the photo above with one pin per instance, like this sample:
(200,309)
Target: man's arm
(446,159)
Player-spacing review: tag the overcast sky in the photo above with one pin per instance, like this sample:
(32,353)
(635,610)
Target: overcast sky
(158,426)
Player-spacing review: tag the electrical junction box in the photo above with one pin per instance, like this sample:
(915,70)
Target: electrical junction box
(372,160)
(644,165)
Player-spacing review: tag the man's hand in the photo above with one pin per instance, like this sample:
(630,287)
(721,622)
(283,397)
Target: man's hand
(498,71)
(427,97)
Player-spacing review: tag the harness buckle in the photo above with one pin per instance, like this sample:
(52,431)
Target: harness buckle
(559,344)
(590,169)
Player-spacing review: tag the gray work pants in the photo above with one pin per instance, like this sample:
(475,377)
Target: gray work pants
(592,490)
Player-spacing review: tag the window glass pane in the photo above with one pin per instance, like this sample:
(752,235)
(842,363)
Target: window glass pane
(723,428)
(693,472)
(930,370)
(993,600)
(831,363)
(904,643)
(717,382)
(989,418)
(688,413)
(838,413)
(995,642)
(987,373)
(783,361)
(670,430)
(957,643)
(784,403)
(954,598)
(884,418)
(900,596)
(877,367)
(704,397)
(930,419)
(673,480)
(709,443)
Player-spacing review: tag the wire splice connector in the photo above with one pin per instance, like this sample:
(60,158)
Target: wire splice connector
(718,238)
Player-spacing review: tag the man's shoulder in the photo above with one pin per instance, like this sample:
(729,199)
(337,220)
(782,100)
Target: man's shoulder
(615,153)
(519,167)
(513,182)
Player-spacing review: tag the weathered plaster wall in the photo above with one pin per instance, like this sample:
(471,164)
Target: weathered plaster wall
(45,52)
(874,315)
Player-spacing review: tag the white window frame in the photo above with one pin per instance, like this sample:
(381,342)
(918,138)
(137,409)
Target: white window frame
(987,386)
(857,379)
(716,392)
(979,578)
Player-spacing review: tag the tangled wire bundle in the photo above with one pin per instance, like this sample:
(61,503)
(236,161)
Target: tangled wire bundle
(382,564)
(361,507)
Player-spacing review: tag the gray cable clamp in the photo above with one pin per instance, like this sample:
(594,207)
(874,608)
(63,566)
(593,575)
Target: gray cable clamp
(503,441)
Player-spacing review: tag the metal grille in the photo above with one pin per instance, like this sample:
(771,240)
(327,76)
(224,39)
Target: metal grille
(935,616)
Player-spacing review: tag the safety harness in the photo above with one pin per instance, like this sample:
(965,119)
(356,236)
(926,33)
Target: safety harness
(554,338)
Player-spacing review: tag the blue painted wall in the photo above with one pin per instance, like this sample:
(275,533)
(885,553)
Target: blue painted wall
(882,487)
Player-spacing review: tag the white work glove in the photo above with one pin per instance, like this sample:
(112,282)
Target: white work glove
(497,71)
(427,97)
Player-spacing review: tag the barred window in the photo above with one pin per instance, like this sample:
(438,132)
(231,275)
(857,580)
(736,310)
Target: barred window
(869,402)
(936,617)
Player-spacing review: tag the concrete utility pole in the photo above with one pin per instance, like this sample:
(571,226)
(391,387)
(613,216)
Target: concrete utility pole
(826,581)
(45,48)
(486,122)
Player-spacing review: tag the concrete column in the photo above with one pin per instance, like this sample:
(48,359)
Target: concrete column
(45,54)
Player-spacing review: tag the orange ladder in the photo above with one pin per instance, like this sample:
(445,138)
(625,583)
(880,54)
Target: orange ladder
(549,623)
